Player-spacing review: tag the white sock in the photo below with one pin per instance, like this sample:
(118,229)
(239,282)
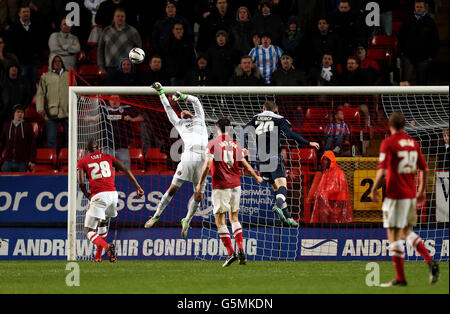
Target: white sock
(192,209)
(236,227)
(102,232)
(413,239)
(165,200)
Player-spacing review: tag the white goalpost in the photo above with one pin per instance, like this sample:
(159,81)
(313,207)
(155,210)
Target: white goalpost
(426,109)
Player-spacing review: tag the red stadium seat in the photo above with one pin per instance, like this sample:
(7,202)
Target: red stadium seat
(315,122)
(307,158)
(155,161)
(137,159)
(92,56)
(383,56)
(91,73)
(63,160)
(46,160)
(384,41)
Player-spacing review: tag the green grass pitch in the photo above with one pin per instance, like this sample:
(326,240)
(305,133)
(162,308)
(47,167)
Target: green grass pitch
(202,277)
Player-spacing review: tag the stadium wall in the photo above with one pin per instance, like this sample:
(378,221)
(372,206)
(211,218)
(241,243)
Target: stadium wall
(33,216)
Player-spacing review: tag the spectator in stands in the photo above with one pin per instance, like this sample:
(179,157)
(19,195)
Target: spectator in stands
(265,22)
(444,152)
(162,30)
(179,55)
(292,39)
(256,40)
(125,75)
(52,100)
(220,18)
(116,42)
(14,89)
(337,134)
(367,63)
(287,74)
(241,31)
(93,6)
(332,198)
(156,73)
(201,75)
(107,10)
(266,57)
(222,58)
(325,74)
(346,25)
(418,44)
(6,58)
(25,41)
(353,75)
(247,74)
(65,45)
(19,142)
(122,118)
(323,40)
(309,11)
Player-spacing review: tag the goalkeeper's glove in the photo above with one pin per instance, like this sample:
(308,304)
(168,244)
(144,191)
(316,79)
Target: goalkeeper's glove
(158,87)
(178,95)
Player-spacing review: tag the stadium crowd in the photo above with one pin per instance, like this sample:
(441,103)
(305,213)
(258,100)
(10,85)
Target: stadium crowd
(205,42)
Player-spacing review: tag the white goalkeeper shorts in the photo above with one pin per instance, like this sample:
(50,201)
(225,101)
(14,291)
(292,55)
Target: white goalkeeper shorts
(226,200)
(399,213)
(101,207)
(188,171)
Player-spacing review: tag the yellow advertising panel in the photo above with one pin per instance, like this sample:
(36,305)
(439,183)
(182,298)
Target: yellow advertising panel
(363,181)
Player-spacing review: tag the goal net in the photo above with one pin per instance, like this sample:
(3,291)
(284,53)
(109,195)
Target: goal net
(131,124)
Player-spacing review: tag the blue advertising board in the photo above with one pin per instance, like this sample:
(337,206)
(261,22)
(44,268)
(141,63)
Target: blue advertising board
(43,199)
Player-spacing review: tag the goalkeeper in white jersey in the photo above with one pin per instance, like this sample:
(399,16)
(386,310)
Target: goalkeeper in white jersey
(193,132)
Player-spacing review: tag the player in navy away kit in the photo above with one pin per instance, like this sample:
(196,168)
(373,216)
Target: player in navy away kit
(270,130)
(103,197)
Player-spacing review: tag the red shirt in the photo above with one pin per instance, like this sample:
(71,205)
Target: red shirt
(99,171)
(225,168)
(400,154)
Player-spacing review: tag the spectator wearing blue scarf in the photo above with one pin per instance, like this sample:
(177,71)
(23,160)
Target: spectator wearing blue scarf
(418,44)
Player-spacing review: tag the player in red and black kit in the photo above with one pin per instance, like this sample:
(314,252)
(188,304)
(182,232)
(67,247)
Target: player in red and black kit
(400,158)
(223,158)
(99,169)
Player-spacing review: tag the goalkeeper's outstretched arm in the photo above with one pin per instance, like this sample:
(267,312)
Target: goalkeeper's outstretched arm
(171,114)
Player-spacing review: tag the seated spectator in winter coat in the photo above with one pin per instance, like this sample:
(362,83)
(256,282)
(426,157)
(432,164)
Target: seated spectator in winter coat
(332,202)
(18,140)
(222,58)
(292,40)
(241,31)
(201,75)
(325,74)
(365,62)
(353,75)
(265,21)
(323,40)
(162,29)
(14,89)
(288,75)
(247,74)
(155,73)
(125,75)
(178,54)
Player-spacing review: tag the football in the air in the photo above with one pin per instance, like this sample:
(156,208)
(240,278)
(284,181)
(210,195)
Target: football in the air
(136,55)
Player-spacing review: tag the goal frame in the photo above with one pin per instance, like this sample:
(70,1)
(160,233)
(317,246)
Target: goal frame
(74,91)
